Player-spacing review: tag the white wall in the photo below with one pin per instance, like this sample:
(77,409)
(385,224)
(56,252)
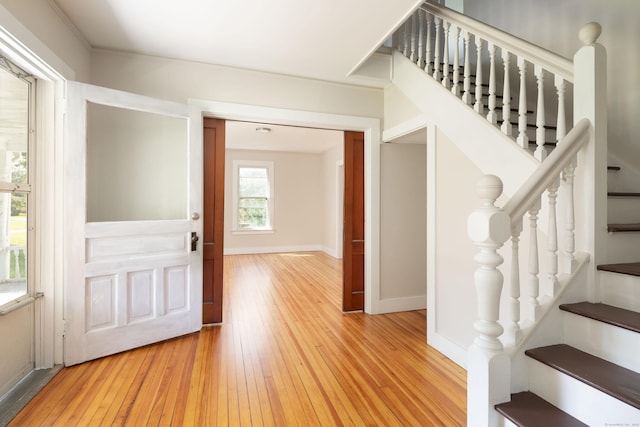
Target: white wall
(403,222)
(554,25)
(331,226)
(455,295)
(298,209)
(181,80)
(44,32)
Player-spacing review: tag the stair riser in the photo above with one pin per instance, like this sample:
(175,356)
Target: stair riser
(576,398)
(620,290)
(609,342)
(505,422)
(623,210)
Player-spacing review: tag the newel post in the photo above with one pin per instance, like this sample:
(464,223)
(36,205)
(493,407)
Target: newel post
(489,367)
(590,101)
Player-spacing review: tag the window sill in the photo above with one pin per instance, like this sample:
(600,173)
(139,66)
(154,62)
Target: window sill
(240,232)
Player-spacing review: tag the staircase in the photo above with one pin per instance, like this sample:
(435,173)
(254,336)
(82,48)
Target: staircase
(587,375)
(570,354)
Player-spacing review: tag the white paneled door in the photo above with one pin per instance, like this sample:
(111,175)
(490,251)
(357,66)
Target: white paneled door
(132,202)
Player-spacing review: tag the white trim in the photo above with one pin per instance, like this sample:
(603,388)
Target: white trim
(394,305)
(449,349)
(370,127)
(330,251)
(49,323)
(337,253)
(405,128)
(14,39)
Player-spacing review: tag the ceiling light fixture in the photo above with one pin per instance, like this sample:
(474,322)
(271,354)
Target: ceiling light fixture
(263,130)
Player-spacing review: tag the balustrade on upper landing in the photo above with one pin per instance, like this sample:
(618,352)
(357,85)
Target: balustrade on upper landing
(481,65)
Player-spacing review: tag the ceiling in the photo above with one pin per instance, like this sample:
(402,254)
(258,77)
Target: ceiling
(325,40)
(245,136)
(319,39)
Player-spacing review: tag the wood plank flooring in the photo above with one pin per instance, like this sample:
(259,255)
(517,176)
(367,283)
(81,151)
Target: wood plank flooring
(285,355)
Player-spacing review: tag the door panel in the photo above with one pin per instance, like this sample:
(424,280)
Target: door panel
(130,280)
(213,234)
(353,244)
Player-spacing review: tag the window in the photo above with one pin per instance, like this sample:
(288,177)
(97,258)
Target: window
(16,109)
(253,195)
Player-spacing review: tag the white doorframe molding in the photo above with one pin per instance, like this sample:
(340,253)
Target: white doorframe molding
(339,208)
(372,137)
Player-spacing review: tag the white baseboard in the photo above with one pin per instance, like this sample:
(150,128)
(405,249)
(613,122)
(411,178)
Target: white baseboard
(448,348)
(392,305)
(330,251)
(272,249)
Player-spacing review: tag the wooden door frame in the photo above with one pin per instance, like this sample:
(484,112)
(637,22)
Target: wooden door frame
(372,136)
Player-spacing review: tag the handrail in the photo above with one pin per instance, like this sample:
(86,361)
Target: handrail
(548,60)
(548,171)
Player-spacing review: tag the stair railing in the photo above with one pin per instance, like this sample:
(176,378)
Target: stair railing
(459,51)
(579,158)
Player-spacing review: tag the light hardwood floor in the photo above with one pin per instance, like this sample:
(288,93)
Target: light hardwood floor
(284,356)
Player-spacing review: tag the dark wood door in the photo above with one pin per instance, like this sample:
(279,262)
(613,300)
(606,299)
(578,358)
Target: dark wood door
(213,221)
(353,234)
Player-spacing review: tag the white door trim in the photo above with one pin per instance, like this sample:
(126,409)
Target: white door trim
(372,137)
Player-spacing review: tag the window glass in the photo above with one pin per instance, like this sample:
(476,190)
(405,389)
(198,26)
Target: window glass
(137,165)
(15,104)
(254,195)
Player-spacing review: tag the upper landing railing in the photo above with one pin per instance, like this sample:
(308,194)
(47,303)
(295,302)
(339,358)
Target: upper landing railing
(481,65)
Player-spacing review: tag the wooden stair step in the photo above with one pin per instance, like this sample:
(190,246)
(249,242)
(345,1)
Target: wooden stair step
(630,268)
(609,314)
(623,228)
(622,194)
(528,409)
(616,381)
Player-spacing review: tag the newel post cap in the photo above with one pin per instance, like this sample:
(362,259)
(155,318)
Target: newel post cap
(489,224)
(590,32)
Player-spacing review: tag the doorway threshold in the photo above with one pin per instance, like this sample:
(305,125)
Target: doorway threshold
(18,397)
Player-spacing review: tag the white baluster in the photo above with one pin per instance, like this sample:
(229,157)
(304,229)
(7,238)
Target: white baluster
(414,27)
(552,239)
(523,138)
(492,116)
(541,134)
(506,127)
(488,227)
(466,96)
(445,56)
(569,259)
(478,106)
(436,49)
(513,325)
(561,122)
(420,61)
(405,42)
(455,87)
(533,290)
(427,65)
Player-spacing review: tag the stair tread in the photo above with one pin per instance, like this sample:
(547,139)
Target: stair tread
(528,409)
(623,227)
(630,268)
(621,383)
(622,194)
(616,316)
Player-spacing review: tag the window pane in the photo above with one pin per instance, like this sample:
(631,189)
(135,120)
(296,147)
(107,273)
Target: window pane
(13,250)
(137,165)
(253,182)
(14,127)
(252,213)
